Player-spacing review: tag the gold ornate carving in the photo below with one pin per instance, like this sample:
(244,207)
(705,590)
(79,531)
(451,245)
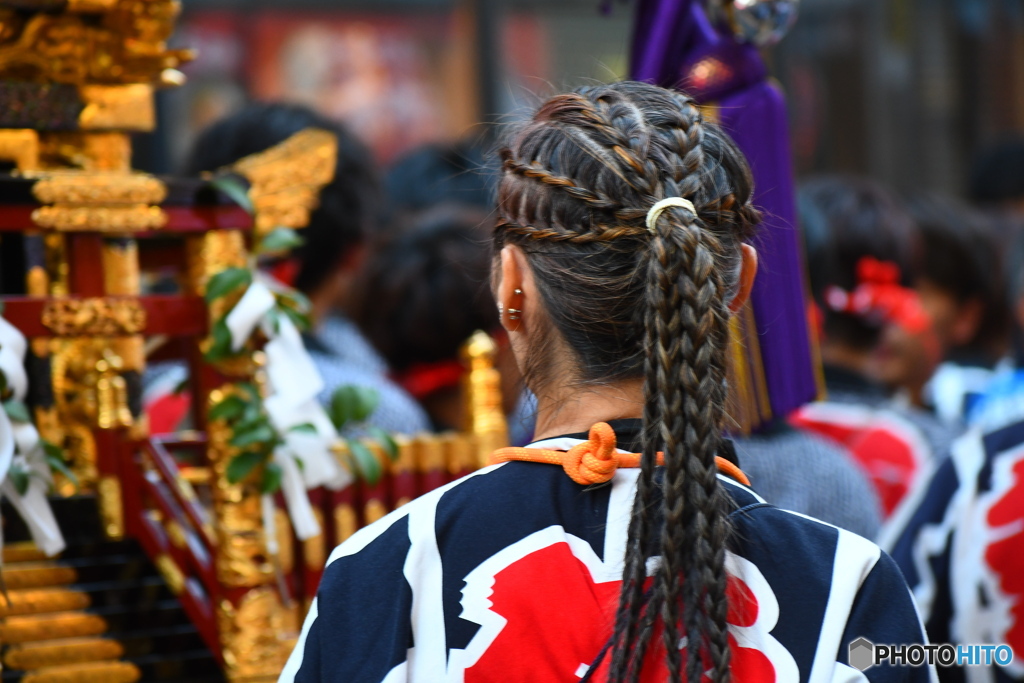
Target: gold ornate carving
(374,510)
(406,458)
(111,507)
(86,672)
(82,446)
(21,551)
(176,533)
(172,574)
(251,635)
(482,390)
(39,575)
(37,282)
(121,267)
(38,655)
(285,180)
(429,453)
(98,316)
(57,263)
(91,152)
(76,187)
(128,44)
(119,219)
(285,541)
(345,522)
(212,253)
(241,557)
(120,107)
(38,601)
(50,626)
(21,146)
(461,453)
(314,550)
(91,6)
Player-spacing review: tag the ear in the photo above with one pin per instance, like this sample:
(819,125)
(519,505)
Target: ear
(748,271)
(514,289)
(966,322)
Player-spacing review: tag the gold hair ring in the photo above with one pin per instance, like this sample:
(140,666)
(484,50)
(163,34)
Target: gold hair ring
(655,211)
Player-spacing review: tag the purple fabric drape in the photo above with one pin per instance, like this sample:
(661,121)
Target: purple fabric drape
(675,45)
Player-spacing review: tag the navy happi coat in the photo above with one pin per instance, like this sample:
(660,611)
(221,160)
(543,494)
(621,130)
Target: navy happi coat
(959,540)
(512,574)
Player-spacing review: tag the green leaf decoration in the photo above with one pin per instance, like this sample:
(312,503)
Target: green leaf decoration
(342,408)
(271,478)
(57,464)
(229,408)
(299,319)
(235,189)
(181,386)
(275,319)
(386,441)
(366,402)
(250,389)
(242,465)
(227,281)
(304,428)
(293,298)
(221,347)
(279,239)
(17,411)
(52,450)
(262,433)
(365,460)
(19,477)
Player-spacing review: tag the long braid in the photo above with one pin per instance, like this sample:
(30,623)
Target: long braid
(580,179)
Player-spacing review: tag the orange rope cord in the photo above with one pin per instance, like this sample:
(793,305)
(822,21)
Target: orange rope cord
(595,460)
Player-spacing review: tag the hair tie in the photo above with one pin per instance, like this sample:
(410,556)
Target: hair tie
(655,212)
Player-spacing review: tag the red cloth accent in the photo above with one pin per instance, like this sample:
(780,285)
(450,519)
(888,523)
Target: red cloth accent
(882,448)
(1004,538)
(168,412)
(423,379)
(523,595)
(284,271)
(880,296)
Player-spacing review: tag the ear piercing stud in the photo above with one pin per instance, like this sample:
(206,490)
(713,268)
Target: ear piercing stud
(517,292)
(513,313)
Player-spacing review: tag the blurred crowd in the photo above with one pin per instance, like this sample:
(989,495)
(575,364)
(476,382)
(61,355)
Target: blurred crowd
(917,303)
(914,299)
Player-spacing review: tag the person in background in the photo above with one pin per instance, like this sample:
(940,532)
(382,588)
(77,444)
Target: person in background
(460,174)
(962,289)
(959,542)
(442,173)
(1003,400)
(426,293)
(797,469)
(860,245)
(625,544)
(327,264)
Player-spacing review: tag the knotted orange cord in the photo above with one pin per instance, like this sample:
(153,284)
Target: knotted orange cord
(595,460)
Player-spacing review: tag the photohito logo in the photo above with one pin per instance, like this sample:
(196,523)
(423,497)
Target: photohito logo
(864,654)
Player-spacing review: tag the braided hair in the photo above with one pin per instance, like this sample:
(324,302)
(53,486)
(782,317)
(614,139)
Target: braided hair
(578,181)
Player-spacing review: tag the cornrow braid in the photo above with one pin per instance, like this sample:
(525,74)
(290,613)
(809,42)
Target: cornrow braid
(579,180)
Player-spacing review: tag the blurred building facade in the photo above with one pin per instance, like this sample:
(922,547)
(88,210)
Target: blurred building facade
(902,90)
